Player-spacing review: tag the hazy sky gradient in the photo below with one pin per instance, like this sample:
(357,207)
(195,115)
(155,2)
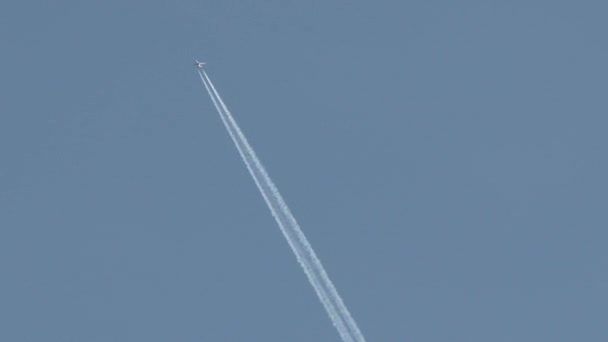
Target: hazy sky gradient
(446,159)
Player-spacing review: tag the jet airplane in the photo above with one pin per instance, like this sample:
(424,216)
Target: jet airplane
(199,64)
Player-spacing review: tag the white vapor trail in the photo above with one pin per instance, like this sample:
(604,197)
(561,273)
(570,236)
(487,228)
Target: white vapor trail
(327,293)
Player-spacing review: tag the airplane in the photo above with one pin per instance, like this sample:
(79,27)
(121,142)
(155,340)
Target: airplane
(198,64)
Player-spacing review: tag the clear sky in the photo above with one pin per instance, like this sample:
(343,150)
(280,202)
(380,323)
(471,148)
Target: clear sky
(446,159)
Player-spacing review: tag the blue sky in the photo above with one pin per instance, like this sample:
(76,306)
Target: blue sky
(445,159)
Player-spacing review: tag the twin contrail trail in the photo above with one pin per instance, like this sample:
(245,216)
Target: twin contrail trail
(327,293)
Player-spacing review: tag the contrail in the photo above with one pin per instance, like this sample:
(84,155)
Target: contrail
(327,293)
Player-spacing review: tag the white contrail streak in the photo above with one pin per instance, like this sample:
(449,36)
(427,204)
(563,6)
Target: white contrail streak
(327,293)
